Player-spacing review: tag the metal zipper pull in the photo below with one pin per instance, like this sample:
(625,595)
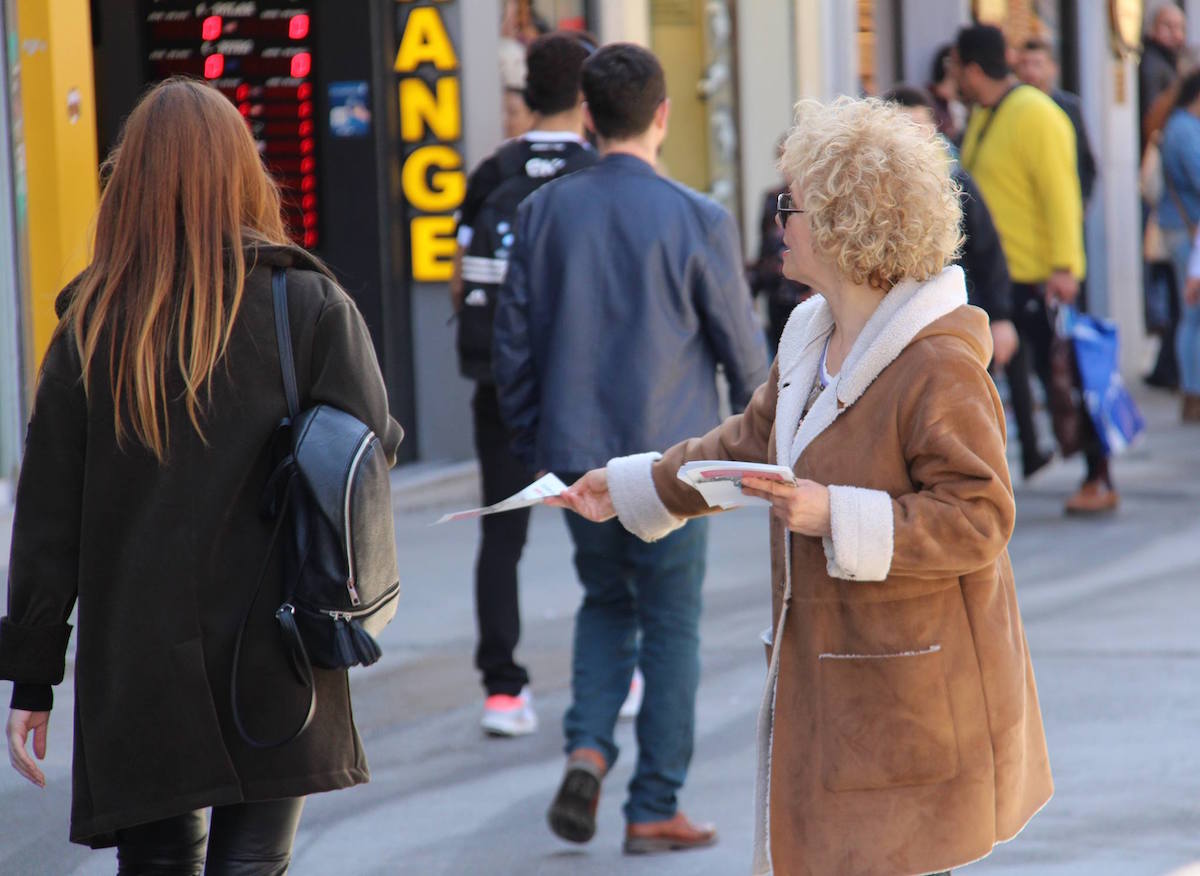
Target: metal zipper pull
(354,600)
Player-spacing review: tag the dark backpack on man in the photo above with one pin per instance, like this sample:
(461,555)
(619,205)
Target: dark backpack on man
(330,494)
(524,167)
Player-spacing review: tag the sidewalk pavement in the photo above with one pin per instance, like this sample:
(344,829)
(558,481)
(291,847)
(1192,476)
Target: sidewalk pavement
(1109,606)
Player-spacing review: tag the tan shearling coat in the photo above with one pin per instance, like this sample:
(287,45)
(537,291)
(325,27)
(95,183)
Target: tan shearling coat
(900,731)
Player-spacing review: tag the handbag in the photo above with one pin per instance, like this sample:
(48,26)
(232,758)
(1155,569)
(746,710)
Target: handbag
(330,496)
(1062,392)
(1114,414)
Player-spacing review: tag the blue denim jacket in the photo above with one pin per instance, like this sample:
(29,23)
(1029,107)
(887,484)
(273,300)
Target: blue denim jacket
(1180,150)
(624,292)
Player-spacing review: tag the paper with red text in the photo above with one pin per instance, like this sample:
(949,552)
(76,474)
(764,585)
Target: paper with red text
(719,481)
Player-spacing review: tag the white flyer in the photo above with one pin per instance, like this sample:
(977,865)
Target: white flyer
(534,494)
(719,481)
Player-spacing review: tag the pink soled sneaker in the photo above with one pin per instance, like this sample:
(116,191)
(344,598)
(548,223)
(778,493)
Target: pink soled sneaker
(505,715)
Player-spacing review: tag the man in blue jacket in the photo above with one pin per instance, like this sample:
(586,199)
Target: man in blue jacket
(624,292)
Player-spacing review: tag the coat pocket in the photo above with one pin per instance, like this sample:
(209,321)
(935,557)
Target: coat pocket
(886,721)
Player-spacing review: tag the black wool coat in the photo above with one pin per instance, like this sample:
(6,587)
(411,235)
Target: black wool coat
(162,561)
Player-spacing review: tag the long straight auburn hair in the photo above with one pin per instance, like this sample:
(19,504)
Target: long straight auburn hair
(184,190)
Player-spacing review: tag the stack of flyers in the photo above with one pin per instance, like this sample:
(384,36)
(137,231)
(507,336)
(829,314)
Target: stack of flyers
(719,481)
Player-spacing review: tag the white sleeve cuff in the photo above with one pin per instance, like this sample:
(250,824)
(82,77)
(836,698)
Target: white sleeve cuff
(635,499)
(861,546)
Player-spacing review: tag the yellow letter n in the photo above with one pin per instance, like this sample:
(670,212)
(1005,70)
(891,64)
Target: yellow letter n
(419,106)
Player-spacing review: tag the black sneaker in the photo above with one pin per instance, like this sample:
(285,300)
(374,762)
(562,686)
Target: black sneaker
(572,815)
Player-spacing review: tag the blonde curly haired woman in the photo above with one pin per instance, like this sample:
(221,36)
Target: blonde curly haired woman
(900,731)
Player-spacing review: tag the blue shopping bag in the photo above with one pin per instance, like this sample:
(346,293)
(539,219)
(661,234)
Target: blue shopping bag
(1116,417)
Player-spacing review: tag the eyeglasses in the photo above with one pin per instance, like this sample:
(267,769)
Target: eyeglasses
(783,206)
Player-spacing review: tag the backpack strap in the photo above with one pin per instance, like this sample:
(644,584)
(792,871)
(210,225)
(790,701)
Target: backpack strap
(283,337)
(275,500)
(285,615)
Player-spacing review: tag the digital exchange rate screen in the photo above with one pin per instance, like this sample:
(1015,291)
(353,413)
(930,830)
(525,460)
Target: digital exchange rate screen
(259,55)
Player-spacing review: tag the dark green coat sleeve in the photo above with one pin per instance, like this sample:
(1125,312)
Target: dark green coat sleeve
(345,373)
(44,565)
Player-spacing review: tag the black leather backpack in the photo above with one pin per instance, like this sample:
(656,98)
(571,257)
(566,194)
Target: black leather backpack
(330,495)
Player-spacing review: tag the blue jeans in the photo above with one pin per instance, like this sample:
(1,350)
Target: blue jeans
(1187,335)
(641,607)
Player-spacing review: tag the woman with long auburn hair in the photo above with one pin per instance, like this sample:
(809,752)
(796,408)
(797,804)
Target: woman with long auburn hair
(138,500)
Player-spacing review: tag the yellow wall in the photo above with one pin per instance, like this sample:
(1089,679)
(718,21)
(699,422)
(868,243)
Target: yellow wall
(677,37)
(55,45)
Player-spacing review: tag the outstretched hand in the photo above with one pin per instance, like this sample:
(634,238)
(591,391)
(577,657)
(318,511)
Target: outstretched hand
(588,497)
(20,723)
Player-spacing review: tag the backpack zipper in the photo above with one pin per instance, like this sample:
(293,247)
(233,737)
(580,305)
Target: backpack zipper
(369,610)
(358,457)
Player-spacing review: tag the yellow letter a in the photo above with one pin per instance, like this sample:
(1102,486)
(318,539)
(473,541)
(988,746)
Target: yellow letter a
(425,40)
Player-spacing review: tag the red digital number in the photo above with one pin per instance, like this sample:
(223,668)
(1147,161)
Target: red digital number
(214,66)
(211,28)
(298,27)
(301,65)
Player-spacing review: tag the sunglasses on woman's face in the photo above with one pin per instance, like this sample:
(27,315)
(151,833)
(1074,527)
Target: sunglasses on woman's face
(785,206)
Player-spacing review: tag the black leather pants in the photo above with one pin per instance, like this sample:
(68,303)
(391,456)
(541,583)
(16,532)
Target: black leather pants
(246,839)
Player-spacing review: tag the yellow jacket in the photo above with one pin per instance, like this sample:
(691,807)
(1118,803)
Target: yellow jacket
(1025,168)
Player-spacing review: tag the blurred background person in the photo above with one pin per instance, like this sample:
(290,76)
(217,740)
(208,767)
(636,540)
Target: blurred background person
(1037,66)
(948,111)
(1165,38)
(1019,147)
(766,273)
(553,148)
(516,116)
(981,256)
(1178,216)
(1163,53)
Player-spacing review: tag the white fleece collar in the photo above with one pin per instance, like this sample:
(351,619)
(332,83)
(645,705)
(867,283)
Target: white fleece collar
(904,312)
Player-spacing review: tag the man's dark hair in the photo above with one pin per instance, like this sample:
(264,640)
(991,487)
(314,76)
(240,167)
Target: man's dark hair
(1189,90)
(910,96)
(940,62)
(623,85)
(553,64)
(983,44)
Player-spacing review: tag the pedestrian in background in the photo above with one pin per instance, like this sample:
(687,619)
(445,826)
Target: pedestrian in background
(553,148)
(1178,216)
(981,256)
(1158,79)
(766,274)
(1037,66)
(139,499)
(1164,40)
(948,112)
(900,730)
(1019,147)
(624,292)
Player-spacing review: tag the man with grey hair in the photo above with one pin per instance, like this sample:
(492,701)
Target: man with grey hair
(1166,35)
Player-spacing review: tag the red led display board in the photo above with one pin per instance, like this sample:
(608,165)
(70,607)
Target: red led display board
(259,55)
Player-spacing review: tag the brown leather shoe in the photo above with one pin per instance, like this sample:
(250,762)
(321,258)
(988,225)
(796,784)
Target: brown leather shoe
(1191,408)
(572,815)
(1094,497)
(674,834)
